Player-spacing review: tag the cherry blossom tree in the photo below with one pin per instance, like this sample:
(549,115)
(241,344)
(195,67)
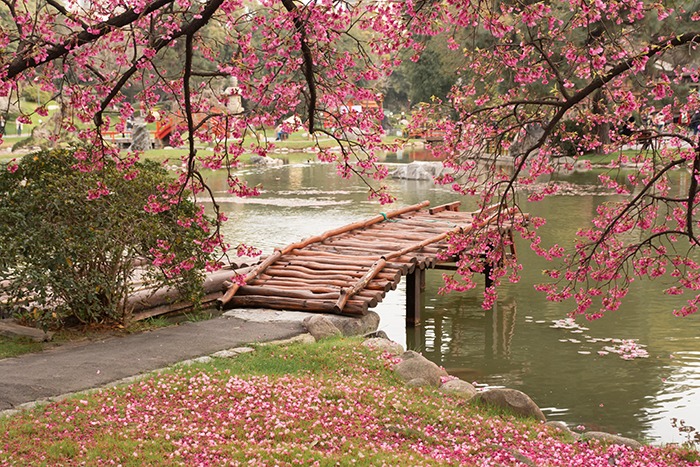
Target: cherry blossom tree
(539,76)
(536,77)
(106,62)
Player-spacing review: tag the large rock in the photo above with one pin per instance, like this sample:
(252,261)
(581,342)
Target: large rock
(320,327)
(608,438)
(356,325)
(516,401)
(384,345)
(264,160)
(457,387)
(418,171)
(414,366)
(348,325)
(140,137)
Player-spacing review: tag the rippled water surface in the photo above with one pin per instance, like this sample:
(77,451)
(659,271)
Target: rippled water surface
(571,372)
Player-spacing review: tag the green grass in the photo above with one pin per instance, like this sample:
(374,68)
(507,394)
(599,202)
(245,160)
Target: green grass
(605,159)
(14,346)
(321,358)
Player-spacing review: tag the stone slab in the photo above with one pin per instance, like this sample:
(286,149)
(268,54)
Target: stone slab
(10,328)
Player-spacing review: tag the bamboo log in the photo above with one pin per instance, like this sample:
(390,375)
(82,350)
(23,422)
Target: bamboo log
(317,239)
(321,265)
(392,275)
(392,233)
(316,273)
(328,293)
(346,294)
(377,284)
(208,300)
(333,258)
(371,244)
(326,263)
(388,242)
(339,269)
(454,206)
(285,292)
(347,250)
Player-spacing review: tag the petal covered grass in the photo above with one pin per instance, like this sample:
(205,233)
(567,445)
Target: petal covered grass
(334,402)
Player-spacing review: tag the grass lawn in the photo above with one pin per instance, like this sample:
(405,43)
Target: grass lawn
(605,159)
(13,346)
(330,403)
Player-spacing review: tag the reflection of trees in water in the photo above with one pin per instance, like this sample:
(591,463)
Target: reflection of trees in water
(465,339)
(499,335)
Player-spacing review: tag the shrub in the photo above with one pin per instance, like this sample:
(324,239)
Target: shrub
(568,138)
(71,241)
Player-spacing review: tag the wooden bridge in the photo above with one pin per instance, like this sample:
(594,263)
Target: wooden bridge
(350,269)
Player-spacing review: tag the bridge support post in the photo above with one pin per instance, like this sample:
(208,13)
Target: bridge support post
(415,282)
(488,282)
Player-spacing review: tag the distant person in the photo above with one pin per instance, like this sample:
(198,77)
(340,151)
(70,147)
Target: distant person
(278,133)
(18,125)
(2,125)
(628,128)
(695,123)
(659,121)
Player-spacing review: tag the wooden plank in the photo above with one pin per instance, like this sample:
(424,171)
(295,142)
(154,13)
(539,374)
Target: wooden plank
(10,328)
(207,302)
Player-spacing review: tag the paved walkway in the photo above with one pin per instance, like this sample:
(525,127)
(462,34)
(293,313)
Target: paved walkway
(82,366)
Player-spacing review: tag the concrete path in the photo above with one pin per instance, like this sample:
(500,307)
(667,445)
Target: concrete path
(82,366)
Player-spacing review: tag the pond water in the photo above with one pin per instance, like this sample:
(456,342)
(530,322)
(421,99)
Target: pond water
(517,344)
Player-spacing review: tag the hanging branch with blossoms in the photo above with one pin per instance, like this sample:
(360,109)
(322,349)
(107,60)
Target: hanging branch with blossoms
(220,70)
(539,77)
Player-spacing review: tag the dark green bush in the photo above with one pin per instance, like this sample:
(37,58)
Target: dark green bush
(568,137)
(67,254)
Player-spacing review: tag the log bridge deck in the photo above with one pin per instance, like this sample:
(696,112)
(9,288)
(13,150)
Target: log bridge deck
(350,269)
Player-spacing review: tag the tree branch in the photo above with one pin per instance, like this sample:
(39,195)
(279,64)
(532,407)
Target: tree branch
(21,64)
(308,61)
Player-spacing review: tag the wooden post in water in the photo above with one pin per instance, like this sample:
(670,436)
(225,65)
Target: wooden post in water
(415,283)
(488,281)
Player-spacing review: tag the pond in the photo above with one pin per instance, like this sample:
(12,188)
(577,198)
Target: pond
(565,369)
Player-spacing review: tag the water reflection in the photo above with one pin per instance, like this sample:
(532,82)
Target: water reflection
(513,345)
